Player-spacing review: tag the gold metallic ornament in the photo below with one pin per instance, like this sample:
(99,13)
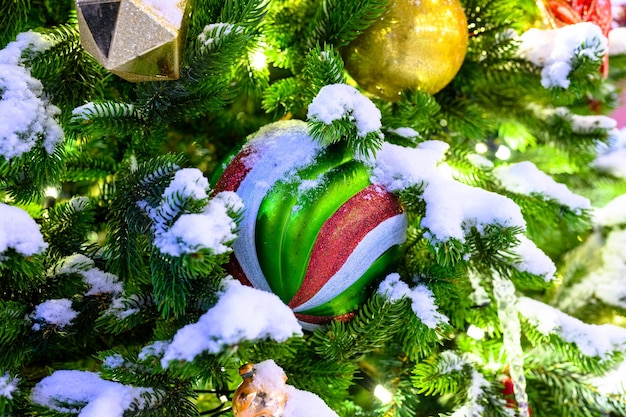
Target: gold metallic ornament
(259,397)
(418,44)
(137,40)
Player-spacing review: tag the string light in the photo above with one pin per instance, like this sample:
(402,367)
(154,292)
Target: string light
(258,60)
(51,192)
(481,148)
(383,394)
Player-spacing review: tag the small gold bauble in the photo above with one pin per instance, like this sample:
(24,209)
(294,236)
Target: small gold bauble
(418,44)
(259,397)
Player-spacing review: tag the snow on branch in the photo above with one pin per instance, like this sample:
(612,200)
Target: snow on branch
(18,231)
(8,385)
(27,118)
(126,305)
(56,312)
(99,282)
(213,34)
(422,299)
(25,43)
(339,101)
(87,394)
(612,214)
(611,158)
(450,362)
(526,178)
(451,207)
(607,283)
(533,260)
(591,339)
(341,112)
(475,391)
(554,50)
(177,232)
(612,382)
(241,314)
(582,124)
(92,110)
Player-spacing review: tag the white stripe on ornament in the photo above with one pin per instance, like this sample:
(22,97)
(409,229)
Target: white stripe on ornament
(284,147)
(388,233)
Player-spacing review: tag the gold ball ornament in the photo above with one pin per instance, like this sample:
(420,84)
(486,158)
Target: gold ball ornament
(258,395)
(418,44)
(138,40)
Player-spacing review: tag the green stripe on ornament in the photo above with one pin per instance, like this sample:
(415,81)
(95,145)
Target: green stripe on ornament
(291,216)
(273,217)
(316,207)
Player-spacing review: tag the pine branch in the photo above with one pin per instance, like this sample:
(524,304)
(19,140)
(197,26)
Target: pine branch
(322,67)
(343,132)
(205,83)
(248,13)
(126,245)
(106,118)
(173,278)
(81,166)
(492,245)
(25,178)
(13,17)
(168,395)
(556,350)
(560,389)
(283,97)
(66,227)
(419,341)
(20,277)
(376,322)
(551,225)
(134,313)
(305,369)
(417,110)
(430,380)
(205,12)
(65,65)
(286,32)
(338,22)
(14,326)
(617,67)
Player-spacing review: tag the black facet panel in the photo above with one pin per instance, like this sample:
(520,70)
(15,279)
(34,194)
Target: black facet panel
(101,19)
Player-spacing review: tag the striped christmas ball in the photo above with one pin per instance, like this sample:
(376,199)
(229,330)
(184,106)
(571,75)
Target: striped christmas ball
(315,230)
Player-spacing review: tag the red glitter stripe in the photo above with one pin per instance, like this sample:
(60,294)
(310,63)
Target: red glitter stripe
(235,172)
(341,233)
(320,320)
(234,268)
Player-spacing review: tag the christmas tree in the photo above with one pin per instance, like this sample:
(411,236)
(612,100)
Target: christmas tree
(312,208)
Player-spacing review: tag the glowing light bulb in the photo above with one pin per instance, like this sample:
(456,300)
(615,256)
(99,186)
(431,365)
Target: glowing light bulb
(258,60)
(481,148)
(383,394)
(503,152)
(52,192)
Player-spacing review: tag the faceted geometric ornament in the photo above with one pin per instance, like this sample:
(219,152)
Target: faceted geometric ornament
(139,40)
